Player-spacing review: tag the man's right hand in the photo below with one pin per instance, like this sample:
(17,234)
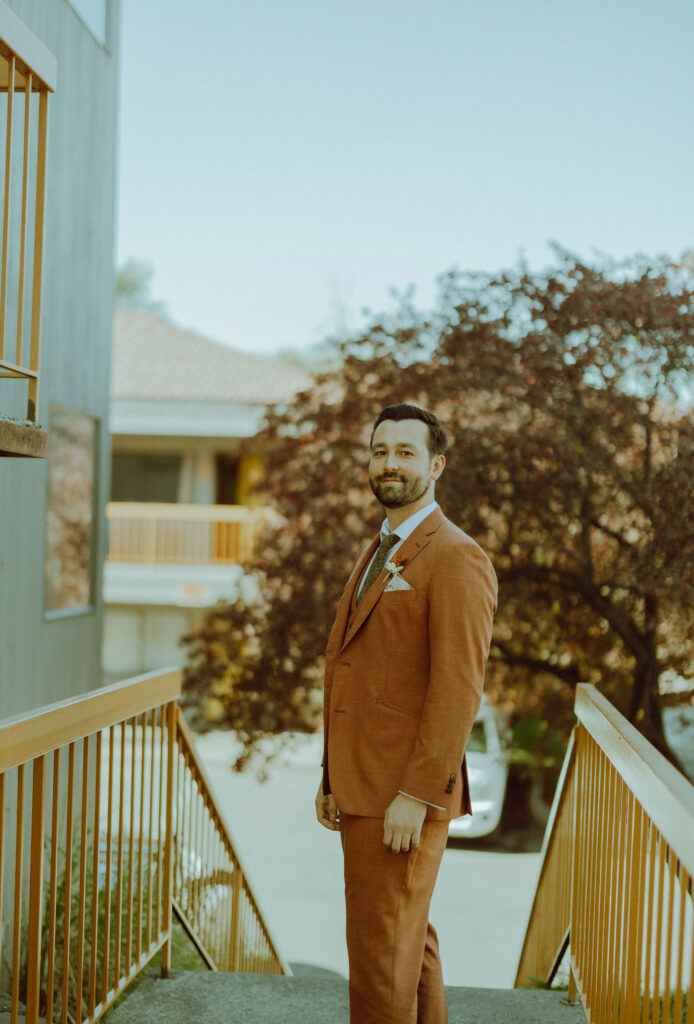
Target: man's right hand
(327,810)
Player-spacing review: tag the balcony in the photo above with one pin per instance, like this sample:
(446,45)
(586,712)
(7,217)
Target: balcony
(179,555)
(27,76)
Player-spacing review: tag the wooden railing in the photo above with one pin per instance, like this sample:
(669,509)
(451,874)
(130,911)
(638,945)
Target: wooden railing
(107,828)
(27,75)
(616,881)
(211,894)
(160,534)
(547,935)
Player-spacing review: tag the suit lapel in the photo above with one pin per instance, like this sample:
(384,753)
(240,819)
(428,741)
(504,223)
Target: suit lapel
(412,547)
(345,602)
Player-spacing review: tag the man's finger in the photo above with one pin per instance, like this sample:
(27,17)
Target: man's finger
(322,813)
(397,840)
(327,823)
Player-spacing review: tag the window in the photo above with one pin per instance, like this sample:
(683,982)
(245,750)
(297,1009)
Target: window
(27,75)
(70,520)
(152,478)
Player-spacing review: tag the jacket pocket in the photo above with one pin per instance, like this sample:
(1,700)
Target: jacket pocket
(394,707)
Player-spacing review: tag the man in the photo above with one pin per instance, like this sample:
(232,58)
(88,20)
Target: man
(403,682)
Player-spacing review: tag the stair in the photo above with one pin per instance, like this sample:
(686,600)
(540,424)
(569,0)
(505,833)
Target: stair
(187,997)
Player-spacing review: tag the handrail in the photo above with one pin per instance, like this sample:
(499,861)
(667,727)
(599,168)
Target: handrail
(630,854)
(180,510)
(260,948)
(548,929)
(665,794)
(27,70)
(108,826)
(25,737)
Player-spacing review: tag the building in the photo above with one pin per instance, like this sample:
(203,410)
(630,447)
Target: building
(58,119)
(182,516)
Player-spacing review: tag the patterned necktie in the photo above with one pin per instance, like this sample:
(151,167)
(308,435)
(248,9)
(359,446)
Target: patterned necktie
(384,549)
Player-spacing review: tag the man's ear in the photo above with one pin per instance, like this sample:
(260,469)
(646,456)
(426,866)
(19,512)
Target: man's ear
(437,466)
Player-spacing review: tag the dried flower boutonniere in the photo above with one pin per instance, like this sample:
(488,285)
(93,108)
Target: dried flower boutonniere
(396,565)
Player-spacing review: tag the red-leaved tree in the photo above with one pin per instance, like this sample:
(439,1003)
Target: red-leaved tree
(567,396)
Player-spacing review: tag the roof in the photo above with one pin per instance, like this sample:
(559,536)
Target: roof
(154,360)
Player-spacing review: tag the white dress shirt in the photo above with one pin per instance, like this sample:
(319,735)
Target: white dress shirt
(403,531)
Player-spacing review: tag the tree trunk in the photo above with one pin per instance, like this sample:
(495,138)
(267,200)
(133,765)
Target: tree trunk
(645,710)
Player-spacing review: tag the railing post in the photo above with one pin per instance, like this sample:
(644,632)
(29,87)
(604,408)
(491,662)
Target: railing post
(167,895)
(573,987)
(235,918)
(38,806)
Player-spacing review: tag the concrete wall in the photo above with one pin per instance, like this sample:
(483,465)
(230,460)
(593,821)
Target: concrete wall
(44,659)
(142,638)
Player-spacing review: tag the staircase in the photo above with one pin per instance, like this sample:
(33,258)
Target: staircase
(109,828)
(219,998)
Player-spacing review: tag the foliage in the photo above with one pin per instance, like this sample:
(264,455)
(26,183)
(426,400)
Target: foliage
(133,287)
(572,462)
(535,742)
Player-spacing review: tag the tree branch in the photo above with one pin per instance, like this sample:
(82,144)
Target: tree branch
(568,674)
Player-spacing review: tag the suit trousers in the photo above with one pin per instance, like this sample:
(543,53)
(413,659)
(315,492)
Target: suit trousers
(395,972)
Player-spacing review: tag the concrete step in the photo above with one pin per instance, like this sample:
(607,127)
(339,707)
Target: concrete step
(189,997)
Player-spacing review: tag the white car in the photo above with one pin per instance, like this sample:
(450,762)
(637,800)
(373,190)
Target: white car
(487,770)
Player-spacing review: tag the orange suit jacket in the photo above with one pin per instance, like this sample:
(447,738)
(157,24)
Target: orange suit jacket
(404,675)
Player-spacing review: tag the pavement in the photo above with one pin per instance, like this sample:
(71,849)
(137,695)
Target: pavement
(481,902)
(257,999)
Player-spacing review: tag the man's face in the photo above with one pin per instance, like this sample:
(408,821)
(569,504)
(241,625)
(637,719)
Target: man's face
(401,470)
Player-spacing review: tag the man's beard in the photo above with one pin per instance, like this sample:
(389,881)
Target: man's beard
(393,494)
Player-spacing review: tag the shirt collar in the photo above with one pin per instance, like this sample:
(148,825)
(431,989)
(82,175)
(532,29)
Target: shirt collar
(409,525)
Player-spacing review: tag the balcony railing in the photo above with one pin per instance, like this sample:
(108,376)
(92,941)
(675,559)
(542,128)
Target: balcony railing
(616,880)
(167,534)
(108,827)
(27,75)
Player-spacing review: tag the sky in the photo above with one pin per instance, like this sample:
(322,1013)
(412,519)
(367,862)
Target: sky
(285,164)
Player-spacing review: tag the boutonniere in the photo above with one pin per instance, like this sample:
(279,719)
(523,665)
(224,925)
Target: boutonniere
(396,565)
(395,580)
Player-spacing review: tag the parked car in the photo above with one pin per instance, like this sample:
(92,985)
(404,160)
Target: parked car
(488,771)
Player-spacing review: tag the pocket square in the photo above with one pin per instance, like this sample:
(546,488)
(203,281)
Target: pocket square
(397,583)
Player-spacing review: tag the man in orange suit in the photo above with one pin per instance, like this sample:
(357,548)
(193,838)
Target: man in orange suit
(403,682)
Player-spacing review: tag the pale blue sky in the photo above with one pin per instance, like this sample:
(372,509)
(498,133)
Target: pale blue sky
(284,159)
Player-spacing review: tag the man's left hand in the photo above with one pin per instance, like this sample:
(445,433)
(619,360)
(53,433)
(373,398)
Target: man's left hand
(403,822)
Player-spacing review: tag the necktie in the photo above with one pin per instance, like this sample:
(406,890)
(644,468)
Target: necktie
(384,549)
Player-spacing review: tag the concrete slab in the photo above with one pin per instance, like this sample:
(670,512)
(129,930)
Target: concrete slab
(257,999)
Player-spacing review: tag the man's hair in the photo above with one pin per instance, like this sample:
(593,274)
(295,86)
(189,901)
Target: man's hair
(438,439)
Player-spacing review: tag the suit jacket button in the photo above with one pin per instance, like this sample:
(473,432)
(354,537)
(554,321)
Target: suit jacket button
(451,784)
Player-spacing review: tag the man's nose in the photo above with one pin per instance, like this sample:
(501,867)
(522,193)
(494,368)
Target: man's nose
(392,461)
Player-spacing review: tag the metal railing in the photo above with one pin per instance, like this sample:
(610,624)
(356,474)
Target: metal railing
(165,534)
(27,75)
(616,881)
(211,894)
(108,827)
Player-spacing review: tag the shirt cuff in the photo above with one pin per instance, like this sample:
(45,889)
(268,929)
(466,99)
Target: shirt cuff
(419,800)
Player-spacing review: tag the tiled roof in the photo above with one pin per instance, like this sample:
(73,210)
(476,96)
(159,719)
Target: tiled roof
(155,360)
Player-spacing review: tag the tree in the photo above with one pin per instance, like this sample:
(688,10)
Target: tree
(133,287)
(572,463)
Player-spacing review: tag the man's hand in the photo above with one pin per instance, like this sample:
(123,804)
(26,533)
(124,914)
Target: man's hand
(403,823)
(327,810)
